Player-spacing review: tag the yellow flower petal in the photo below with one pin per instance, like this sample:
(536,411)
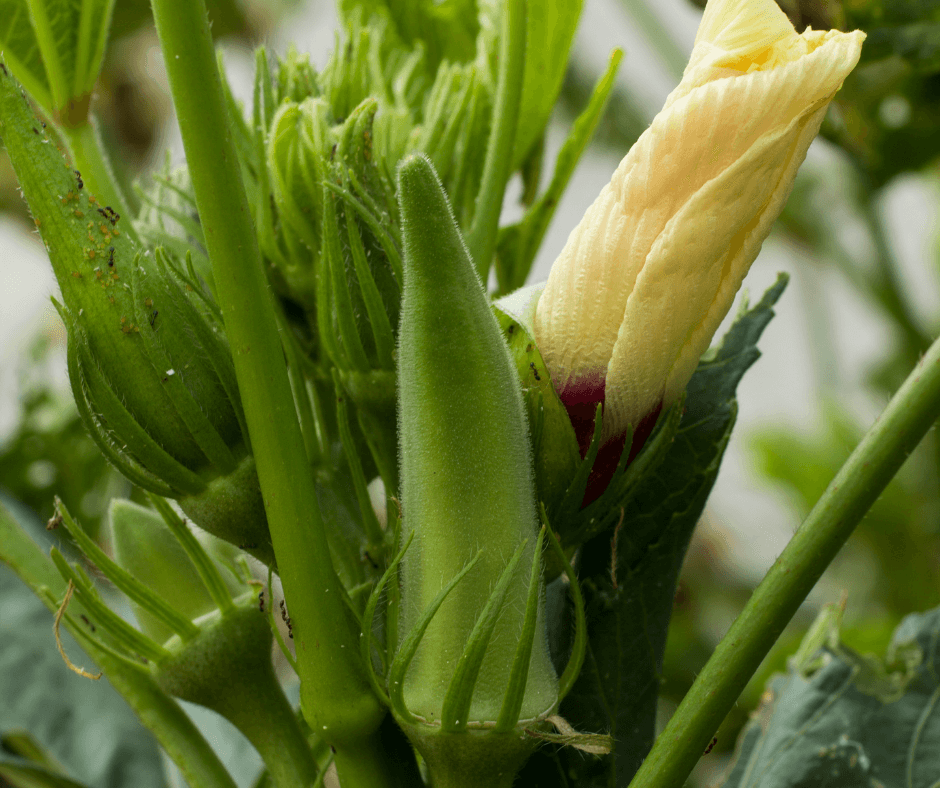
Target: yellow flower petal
(651,270)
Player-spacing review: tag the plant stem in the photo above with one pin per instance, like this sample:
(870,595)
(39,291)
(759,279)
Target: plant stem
(159,713)
(266,718)
(877,458)
(481,238)
(89,158)
(364,764)
(336,698)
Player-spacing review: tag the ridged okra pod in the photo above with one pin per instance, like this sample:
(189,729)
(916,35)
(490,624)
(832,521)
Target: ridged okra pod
(470,670)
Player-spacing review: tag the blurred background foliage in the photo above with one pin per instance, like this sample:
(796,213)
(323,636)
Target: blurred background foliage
(884,126)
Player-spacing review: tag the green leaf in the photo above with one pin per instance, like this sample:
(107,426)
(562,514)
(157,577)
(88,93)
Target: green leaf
(55,47)
(84,725)
(550,28)
(629,609)
(21,50)
(848,720)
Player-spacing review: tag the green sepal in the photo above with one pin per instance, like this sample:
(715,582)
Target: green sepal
(456,706)
(368,621)
(466,476)
(409,646)
(374,394)
(148,600)
(554,445)
(205,567)
(579,647)
(561,474)
(112,424)
(123,634)
(294,153)
(515,690)
(605,511)
(170,341)
(129,467)
(367,513)
(156,391)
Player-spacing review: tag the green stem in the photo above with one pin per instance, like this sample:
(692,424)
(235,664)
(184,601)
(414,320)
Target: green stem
(365,764)
(90,159)
(159,713)
(481,238)
(266,718)
(904,422)
(336,698)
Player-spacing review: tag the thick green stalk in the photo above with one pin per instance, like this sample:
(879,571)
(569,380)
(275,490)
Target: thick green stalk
(159,713)
(904,422)
(335,695)
(497,167)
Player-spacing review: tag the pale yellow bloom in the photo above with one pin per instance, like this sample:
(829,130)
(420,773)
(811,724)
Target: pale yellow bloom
(647,276)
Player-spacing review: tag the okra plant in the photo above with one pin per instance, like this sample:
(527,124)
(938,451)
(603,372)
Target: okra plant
(313,350)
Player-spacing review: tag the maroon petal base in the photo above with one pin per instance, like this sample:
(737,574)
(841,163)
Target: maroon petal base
(581,403)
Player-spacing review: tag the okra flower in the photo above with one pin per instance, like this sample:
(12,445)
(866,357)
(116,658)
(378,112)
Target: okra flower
(647,276)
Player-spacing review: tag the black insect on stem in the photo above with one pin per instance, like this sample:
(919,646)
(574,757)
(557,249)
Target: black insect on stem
(110,257)
(261,601)
(286,618)
(78,175)
(153,317)
(711,746)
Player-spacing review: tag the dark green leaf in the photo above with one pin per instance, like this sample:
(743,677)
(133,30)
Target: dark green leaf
(852,721)
(630,576)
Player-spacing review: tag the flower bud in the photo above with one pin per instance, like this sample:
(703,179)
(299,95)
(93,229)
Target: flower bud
(647,276)
(149,364)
